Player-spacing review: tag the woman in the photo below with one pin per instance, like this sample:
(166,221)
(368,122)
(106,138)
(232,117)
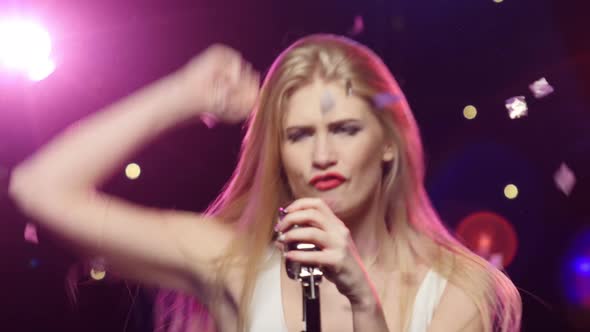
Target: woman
(333,141)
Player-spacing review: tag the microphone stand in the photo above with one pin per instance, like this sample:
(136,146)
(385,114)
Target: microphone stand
(310,277)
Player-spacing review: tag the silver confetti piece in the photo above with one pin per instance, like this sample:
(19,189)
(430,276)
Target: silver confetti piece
(327,102)
(541,88)
(517,107)
(381,100)
(565,179)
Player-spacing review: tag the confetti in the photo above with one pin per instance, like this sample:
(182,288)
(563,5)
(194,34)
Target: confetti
(349,90)
(517,107)
(358,26)
(31,233)
(327,102)
(209,120)
(541,88)
(384,99)
(497,260)
(565,179)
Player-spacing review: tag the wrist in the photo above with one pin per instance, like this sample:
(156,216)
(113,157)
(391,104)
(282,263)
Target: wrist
(367,304)
(366,301)
(179,95)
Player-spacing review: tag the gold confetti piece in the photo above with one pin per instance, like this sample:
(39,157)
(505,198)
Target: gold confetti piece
(31,233)
(541,88)
(516,107)
(565,179)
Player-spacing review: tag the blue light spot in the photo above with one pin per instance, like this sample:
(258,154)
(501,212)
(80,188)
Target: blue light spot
(34,263)
(582,266)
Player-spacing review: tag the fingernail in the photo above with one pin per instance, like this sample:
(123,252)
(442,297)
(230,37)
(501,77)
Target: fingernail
(282,213)
(281,237)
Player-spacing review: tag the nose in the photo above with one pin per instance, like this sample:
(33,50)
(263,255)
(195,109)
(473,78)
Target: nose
(323,153)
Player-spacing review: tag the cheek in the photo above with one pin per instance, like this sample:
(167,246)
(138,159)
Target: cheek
(292,165)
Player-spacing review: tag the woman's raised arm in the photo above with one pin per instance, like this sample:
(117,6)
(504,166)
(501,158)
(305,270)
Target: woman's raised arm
(57,186)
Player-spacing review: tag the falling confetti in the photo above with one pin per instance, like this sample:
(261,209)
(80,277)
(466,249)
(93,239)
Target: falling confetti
(209,120)
(541,88)
(516,107)
(384,99)
(349,90)
(327,102)
(497,260)
(565,179)
(31,233)
(358,26)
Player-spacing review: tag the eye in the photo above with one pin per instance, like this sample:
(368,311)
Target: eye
(350,130)
(297,135)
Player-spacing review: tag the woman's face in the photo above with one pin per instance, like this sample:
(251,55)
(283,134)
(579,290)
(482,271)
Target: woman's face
(329,133)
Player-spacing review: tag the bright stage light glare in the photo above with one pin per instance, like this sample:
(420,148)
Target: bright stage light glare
(25,46)
(41,70)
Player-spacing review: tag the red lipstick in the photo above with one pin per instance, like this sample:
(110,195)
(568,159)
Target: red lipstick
(327,181)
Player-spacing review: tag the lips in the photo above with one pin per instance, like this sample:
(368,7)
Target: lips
(327,181)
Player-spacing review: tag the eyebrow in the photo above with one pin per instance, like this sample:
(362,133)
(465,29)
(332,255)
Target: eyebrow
(330,125)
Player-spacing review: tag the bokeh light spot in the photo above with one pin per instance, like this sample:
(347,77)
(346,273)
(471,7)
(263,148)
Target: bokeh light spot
(132,171)
(511,191)
(97,274)
(33,263)
(577,271)
(470,112)
(489,235)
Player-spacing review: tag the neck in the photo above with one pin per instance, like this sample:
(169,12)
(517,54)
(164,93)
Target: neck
(368,229)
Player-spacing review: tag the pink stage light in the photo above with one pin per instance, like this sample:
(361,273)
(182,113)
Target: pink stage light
(25,46)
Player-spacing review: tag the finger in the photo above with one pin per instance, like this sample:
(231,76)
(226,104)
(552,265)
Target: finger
(306,235)
(303,218)
(309,203)
(279,245)
(235,70)
(314,258)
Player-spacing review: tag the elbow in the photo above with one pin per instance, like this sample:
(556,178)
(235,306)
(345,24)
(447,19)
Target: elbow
(27,192)
(20,188)
(34,195)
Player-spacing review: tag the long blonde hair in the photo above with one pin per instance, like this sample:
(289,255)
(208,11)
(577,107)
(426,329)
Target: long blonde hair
(257,188)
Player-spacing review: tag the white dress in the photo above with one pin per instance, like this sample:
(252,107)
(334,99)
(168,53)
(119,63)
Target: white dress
(267,305)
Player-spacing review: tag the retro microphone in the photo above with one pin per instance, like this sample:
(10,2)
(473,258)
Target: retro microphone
(309,277)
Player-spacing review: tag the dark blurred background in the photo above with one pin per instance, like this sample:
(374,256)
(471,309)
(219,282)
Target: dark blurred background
(445,54)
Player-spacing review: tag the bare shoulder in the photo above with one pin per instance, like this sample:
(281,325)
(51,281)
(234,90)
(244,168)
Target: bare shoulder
(456,312)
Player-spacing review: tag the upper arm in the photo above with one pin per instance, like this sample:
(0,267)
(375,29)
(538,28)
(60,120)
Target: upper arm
(167,248)
(456,312)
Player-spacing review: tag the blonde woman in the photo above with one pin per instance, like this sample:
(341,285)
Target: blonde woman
(332,140)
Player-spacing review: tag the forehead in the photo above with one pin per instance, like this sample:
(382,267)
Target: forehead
(304,105)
